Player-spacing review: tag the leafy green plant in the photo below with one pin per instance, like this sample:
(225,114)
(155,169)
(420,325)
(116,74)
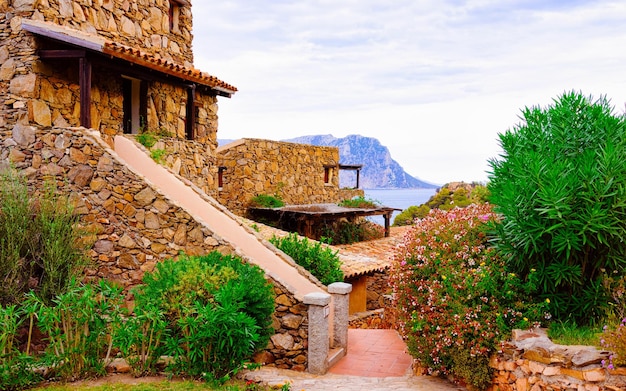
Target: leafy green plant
(266,201)
(359,202)
(16,368)
(15,230)
(80,325)
(140,339)
(217,313)
(147,139)
(158,155)
(455,300)
(40,240)
(560,186)
(320,261)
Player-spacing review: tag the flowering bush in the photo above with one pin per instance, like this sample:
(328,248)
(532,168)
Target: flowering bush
(454,298)
(615,342)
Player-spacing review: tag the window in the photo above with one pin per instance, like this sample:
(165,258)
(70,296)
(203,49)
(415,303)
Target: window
(328,175)
(174,15)
(220,177)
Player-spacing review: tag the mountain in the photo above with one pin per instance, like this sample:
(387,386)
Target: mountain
(379,169)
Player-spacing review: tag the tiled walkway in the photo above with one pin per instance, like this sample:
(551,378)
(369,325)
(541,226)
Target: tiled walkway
(374,353)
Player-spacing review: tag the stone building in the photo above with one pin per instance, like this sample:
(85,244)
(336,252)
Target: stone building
(111,65)
(297,173)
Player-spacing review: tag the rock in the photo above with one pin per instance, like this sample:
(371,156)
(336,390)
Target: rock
(283,341)
(80,175)
(145,196)
(291,321)
(23,135)
(127,242)
(127,261)
(103,246)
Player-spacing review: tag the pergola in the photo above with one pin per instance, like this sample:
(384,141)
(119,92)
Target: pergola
(306,216)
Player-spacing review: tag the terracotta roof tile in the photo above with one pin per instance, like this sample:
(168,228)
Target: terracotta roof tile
(102,45)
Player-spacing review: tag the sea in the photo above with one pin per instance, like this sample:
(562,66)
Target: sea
(397,198)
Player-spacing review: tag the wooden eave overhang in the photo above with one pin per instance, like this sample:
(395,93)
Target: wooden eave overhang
(103,46)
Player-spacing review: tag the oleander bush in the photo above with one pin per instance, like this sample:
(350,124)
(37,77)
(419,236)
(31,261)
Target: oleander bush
(560,187)
(454,298)
(463,195)
(216,312)
(320,261)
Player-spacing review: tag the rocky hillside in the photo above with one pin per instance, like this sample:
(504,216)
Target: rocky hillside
(379,169)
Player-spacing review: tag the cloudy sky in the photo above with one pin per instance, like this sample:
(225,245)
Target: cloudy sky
(434,80)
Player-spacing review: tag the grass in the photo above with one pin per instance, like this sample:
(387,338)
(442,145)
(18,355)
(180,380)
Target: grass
(568,333)
(147,385)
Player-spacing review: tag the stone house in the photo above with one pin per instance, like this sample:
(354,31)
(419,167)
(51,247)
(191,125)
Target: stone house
(297,173)
(111,65)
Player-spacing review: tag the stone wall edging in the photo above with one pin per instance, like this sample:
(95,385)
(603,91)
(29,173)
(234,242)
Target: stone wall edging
(531,362)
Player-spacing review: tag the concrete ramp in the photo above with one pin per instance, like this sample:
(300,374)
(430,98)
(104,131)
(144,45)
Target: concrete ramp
(218,221)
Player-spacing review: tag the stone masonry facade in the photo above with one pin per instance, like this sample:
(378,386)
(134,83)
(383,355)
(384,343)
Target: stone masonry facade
(46,92)
(131,224)
(297,173)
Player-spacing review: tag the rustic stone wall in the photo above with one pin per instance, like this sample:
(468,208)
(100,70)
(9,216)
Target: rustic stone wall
(288,346)
(189,159)
(295,172)
(378,291)
(531,362)
(374,319)
(131,224)
(140,24)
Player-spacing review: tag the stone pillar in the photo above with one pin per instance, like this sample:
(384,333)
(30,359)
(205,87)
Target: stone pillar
(319,339)
(340,292)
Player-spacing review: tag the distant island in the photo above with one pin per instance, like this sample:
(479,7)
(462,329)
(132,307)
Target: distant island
(379,171)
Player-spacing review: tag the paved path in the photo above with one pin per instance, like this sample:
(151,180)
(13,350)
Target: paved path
(376,360)
(329,382)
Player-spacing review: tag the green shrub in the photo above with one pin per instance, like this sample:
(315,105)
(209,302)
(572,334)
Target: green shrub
(359,202)
(408,216)
(217,309)
(266,201)
(445,199)
(16,368)
(560,186)
(455,301)
(80,326)
(141,337)
(40,240)
(320,261)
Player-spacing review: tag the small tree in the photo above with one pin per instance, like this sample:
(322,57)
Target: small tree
(560,186)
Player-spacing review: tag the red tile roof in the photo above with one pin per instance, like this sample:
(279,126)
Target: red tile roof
(139,57)
(100,44)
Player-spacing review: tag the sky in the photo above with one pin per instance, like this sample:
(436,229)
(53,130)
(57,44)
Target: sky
(435,81)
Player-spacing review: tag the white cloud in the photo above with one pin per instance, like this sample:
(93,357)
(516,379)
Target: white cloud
(435,81)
